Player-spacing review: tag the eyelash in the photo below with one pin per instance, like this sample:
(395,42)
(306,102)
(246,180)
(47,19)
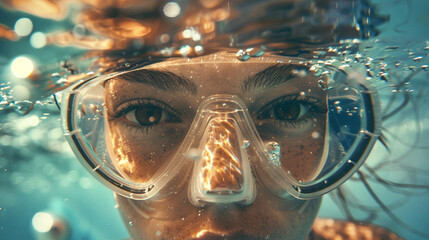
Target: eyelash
(122,110)
(315,106)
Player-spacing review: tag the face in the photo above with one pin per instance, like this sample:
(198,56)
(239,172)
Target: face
(150,112)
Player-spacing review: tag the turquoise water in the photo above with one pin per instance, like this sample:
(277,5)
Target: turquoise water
(38,172)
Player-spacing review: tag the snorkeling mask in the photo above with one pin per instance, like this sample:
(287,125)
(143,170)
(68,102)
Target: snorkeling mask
(305,142)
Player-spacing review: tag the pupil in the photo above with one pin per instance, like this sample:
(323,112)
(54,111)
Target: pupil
(287,111)
(148,115)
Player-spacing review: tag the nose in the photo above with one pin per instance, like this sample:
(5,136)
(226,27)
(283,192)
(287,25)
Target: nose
(222,172)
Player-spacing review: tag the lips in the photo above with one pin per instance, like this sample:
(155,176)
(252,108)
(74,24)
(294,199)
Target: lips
(237,235)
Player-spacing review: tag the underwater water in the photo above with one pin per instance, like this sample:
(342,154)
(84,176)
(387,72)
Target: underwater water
(40,177)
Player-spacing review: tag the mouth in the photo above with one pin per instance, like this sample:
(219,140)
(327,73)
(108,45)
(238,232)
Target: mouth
(236,235)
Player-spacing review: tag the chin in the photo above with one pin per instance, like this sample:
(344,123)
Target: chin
(237,235)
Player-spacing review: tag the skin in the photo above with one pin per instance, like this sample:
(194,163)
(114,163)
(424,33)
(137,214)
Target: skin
(170,214)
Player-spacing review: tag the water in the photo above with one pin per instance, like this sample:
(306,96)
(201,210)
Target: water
(39,173)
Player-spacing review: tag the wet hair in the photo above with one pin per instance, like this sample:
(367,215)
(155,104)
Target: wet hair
(400,107)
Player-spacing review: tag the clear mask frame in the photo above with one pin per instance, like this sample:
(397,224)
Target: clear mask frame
(82,111)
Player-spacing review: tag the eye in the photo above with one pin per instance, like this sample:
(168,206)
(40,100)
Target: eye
(146,113)
(289,110)
(285,110)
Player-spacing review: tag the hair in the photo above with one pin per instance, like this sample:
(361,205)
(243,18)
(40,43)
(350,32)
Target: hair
(402,96)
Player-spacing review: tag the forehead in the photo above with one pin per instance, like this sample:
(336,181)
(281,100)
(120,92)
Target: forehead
(220,73)
(225,60)
(223,70)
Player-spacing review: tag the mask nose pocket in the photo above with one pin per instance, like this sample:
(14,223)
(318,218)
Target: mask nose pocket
(221,172)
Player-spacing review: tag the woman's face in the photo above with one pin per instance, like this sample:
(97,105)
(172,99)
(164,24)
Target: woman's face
(150,112)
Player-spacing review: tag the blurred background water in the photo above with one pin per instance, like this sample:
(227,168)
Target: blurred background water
(38,172)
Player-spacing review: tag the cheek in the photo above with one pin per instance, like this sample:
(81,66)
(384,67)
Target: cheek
(303,156)
(138,153)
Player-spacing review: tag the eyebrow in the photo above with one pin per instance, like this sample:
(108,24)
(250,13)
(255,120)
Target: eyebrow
(272,76)
(161,79)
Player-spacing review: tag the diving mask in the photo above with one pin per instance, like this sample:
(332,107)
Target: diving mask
(216,125)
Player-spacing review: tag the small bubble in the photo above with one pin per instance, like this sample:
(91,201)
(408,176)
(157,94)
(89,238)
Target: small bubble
(167,51)
(242,55)
(246,144)
(384,76)
(185,50)
(183,219)
(193,154)
(315,135)
(24,107)
(418,58)
(273,149)
(322,84)
(130,223)
(358,57)
(255,52)
(199,49)
(391,47)
(339,109)
(171,9)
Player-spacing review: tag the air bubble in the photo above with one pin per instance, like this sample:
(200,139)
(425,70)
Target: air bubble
(199,49)
(273,149)
(255,52)
(193,154)
(322,84)
(418,58)
(384,76)
(351,162)
(358,57)
(315,135)
(130,223)
(24,107)
(167,51)
(246,144)
(339,109)
(242,55)
(185,50)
